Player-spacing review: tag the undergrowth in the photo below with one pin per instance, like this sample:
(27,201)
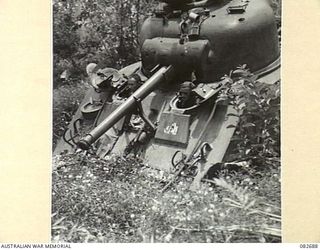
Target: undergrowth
(120,200)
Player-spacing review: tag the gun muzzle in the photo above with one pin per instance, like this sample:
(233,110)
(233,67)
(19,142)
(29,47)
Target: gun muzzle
(162,75)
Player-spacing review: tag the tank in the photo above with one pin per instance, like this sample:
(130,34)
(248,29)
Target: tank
(164,108)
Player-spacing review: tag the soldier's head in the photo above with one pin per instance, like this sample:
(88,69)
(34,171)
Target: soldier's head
(134,82)
(185,90)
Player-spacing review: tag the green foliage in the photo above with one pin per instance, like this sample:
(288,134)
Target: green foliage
(100,31)
(257,137)
(120,200)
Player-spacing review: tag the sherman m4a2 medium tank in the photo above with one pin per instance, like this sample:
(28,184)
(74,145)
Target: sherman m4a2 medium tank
(165,108)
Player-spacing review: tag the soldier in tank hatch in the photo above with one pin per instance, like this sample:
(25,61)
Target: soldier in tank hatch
(133,83)
(186,97)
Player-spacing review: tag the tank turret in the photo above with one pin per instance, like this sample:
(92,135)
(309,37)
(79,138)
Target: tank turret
(235,32)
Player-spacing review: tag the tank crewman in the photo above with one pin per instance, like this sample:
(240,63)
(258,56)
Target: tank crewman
(131,85)
(134,82)
(186,97)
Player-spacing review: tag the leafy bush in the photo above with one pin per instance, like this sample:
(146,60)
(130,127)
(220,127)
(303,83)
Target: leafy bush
(258,105)
(104,32)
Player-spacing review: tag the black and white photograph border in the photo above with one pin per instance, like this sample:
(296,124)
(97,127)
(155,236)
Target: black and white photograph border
(166,121)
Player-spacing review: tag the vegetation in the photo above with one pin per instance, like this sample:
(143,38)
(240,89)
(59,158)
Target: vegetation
(103,32)
(120,199)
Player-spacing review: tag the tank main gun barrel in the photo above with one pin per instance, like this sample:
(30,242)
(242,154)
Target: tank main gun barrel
(164,74)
